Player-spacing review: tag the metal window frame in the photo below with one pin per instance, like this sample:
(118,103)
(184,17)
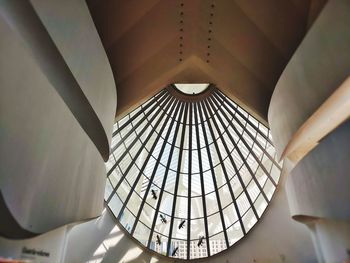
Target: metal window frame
(212,171)
(165,176)
(137,154)
(192,112)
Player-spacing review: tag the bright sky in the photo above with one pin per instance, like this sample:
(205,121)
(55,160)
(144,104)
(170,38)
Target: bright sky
(192,88)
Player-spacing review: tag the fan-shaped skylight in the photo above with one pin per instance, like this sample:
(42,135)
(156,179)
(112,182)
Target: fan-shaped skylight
(189,176)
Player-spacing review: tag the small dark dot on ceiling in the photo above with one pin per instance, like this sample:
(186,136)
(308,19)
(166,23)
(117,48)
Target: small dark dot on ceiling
(180,52)
(208,54)
(210,23)
(209,39)
(208,46)
(212,5)
(180,59)
(182,4)
(181,37)
(211,14)
(208,61)
(181,13)
(181,21)
(181,45)
(209,31)
(181,29)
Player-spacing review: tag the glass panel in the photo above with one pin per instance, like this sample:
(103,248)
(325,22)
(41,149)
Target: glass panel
(208,182)
(234,233)
(211,203)
(243,203)
(196,185)
(217,243)
(225,196)
(115,176)
(115,205)
(178,248)
(147,215)
(269,188)
(159,243)
(249,220)
(198,243)
(230,215)
(180,228)
(183,185)
(196,207)
(134,203)
(260,205)
(166,203)
(214,224)
(198,251)
(108,189)
(219,176)
(275,173)
(142,233)
(181,207)
(127,219)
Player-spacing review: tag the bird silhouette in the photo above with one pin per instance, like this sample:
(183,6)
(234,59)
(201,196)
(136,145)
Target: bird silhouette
(200,242)
(182,224)
(158,240)
(163,219)
(175,251)
(154,194)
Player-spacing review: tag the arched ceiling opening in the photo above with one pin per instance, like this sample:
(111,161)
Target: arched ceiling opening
(190,174)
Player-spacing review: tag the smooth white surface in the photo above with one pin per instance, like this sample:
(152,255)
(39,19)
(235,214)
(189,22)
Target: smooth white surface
(333,112)
(318,67)
(71,27)
(332,239)
(318,186)
(51,172)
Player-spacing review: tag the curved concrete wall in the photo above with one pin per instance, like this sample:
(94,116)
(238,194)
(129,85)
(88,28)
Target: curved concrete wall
(71,27)
(319,65)
(332,239)
(318,186)
(52,172)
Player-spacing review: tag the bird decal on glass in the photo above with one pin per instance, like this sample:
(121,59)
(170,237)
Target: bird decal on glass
(200,242)
(158,240)
(163,219)
(154,194)
(182,224)
(175,252)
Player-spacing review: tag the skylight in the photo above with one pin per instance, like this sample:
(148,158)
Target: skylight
(192,88)
(189,176)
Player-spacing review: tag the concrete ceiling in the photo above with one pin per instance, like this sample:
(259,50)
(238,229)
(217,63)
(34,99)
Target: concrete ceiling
(242,46)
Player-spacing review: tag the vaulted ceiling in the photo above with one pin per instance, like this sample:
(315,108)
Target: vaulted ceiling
(242,46)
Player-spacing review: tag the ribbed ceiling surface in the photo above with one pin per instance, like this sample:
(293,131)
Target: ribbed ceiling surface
(190,175)
(241,46)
